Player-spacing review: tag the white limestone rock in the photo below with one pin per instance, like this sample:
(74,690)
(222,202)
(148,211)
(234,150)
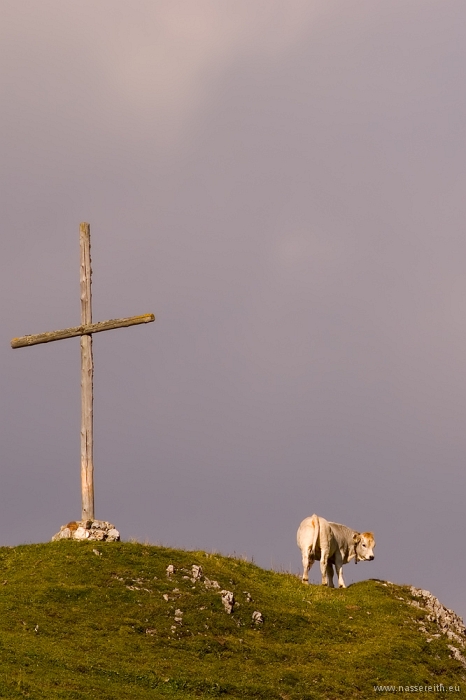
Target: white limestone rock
(228,600)
(211,584)
(113,535)
(197,573)
(257,618)
(447,621)
(64,534)
(457,655)
(81,534)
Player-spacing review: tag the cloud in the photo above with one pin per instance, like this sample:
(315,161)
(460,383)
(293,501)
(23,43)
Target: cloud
(172,53)
(145,63)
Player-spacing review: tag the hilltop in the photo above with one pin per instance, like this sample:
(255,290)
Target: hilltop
(88,620)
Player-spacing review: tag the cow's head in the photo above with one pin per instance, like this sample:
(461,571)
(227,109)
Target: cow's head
(364,544)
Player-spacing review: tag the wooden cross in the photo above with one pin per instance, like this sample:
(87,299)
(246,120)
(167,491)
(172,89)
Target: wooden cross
(85,330)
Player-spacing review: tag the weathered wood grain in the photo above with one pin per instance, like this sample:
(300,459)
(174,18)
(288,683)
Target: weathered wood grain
(87,329)
(87,378)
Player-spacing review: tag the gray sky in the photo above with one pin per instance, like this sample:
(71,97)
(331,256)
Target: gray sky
(282,184)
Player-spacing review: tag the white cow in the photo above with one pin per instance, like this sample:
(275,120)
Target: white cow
(333,545)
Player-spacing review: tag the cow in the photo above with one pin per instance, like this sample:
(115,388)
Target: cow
(333,545)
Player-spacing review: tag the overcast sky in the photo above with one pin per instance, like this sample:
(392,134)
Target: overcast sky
(282,184)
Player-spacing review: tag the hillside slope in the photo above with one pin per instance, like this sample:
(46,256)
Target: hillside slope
(84,620)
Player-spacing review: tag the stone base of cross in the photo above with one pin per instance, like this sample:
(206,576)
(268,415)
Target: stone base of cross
(85,331)
(92,530)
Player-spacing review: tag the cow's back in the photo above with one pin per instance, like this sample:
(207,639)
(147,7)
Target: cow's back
(313,534)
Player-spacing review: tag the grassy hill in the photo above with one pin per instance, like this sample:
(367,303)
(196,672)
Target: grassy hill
(97,621)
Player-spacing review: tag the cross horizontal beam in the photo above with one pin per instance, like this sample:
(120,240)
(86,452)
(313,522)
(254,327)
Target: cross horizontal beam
(86,329)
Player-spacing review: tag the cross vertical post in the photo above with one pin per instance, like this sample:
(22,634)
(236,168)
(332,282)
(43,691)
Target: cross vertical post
(87,378)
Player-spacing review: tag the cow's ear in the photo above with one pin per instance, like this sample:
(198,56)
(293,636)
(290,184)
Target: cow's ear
(356,537)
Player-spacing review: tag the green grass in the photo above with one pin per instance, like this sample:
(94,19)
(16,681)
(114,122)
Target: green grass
(74,625)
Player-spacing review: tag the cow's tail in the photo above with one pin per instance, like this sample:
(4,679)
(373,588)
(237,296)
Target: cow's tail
(316,526)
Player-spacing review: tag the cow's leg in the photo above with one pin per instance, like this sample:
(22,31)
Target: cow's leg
(305,554)
(324,568)
(325,551)
(307,563)
(339,569)
(330,574)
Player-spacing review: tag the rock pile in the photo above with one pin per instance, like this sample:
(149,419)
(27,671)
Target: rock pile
(93,530)
(447,621)
(196,575)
